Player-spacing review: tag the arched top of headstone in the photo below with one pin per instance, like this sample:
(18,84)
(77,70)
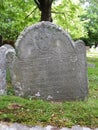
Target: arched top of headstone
(41,26)
(42,37)
(80,47)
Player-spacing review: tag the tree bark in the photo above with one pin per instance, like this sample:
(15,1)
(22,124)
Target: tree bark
(45,8)
(1,40)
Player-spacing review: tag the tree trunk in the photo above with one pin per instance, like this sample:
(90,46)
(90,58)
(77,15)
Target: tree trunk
(45,8)
(1,40)
(46,13)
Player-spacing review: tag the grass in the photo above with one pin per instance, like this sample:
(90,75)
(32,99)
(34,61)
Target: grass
(66,114)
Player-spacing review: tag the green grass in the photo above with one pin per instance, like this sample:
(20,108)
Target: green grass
(67,114)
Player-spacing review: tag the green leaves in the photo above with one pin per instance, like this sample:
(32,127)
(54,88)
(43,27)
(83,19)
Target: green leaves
(91,15)
(13,17)
(68,17)
(1,4)
(71,15)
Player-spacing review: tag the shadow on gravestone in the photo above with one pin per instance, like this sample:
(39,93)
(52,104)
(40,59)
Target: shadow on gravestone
(4,63)
(49,65)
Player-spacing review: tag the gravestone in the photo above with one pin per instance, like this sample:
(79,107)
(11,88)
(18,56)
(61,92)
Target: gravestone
(4,63)
(49,65)
(87,49)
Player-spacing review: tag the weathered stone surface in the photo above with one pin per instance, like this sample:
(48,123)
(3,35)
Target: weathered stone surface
(17,126)
(4,51)
(10,56)
(80,128)
(49,65)
(2,70)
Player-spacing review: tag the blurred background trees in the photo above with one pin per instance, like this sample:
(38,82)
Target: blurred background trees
(78,17)
(91,16)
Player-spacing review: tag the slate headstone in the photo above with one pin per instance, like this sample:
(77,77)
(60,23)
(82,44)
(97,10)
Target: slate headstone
(49,65)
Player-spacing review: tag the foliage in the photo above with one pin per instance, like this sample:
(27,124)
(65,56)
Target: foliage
(78,17)
(66,114)
(68,16)
(16,15)
(91,15)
